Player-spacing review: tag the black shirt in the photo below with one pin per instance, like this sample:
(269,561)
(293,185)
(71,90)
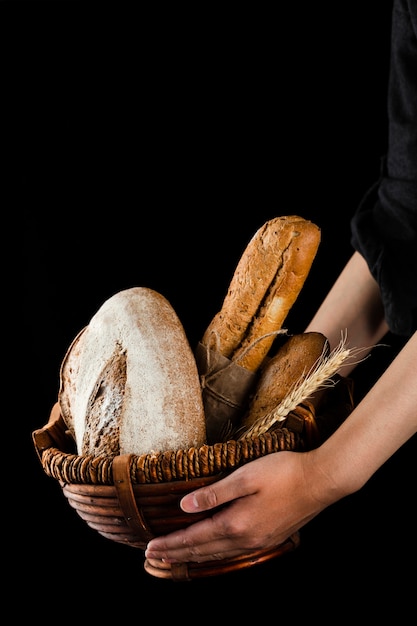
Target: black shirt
(384,228)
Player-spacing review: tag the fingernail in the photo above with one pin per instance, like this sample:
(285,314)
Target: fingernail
(192,503)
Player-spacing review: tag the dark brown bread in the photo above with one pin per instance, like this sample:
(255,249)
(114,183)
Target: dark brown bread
(291,364)
(265,285)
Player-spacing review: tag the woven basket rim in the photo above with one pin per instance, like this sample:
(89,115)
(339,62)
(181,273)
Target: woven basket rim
(54,446)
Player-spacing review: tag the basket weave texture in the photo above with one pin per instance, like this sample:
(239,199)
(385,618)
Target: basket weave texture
(55,448)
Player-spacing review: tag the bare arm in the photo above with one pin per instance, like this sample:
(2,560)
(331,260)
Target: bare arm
(353,304)
(383,421)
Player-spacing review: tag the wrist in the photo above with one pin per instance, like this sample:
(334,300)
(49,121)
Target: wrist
(328,480)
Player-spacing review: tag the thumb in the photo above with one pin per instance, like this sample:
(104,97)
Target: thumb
(212,496)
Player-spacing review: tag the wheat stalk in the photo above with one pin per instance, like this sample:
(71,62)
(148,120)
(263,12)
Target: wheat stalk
(318,377)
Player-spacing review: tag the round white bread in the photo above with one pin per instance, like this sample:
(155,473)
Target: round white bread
(129,381)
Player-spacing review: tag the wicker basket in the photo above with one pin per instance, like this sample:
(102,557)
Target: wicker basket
(130,499)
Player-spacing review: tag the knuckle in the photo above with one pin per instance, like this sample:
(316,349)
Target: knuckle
(211,498)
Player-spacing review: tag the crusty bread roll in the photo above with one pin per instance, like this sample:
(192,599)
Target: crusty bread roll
(129,381)
(265,285)
(291,364)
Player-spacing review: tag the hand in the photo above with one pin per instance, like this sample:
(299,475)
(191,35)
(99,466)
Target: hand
(266,501)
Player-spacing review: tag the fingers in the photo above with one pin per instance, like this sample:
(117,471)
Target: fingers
(212,496)
(225,533)
(206,540)
(213,538)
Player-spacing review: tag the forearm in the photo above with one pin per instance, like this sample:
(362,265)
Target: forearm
(353,305)
(383,421)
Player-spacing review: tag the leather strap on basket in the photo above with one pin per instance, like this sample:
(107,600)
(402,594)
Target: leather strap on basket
(179,571)
(126,497)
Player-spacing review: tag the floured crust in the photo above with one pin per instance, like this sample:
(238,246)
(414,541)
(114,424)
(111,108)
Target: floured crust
(129,381)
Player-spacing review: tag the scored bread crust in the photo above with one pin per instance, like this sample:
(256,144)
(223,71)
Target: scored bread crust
(267,281)
(129,381)
(289,366)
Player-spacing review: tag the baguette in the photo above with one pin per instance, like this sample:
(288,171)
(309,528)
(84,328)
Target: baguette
(265,285)
(129,381)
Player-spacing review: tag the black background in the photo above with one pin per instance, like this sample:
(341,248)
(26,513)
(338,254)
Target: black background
(146,150)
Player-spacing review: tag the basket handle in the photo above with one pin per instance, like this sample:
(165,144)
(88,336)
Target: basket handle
(53,434)
(122,482)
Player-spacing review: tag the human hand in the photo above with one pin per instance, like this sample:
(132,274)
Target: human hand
(265,501)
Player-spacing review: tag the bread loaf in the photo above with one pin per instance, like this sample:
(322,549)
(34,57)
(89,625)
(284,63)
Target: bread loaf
(129,381)
(265,285)
(290,365)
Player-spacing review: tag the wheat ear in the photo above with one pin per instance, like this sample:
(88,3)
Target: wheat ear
(318,377)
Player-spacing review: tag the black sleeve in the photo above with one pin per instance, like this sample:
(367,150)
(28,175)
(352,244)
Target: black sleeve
(384,227)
